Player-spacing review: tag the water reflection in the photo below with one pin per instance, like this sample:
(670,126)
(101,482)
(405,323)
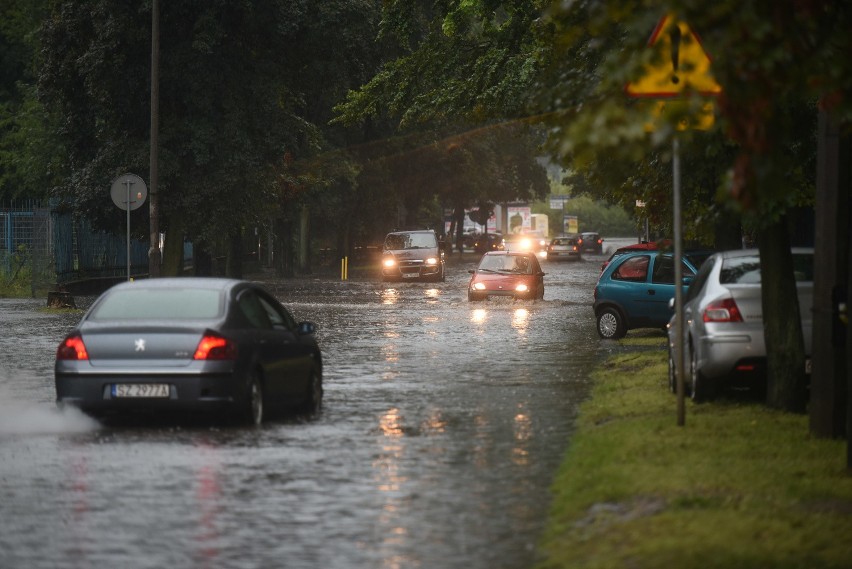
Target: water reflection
(387,473)
(523,431)
(478,316)
(207,494)
(520,320)
(390,296)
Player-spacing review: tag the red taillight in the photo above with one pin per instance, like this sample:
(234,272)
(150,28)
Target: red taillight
(215,348)
(724,310)
(72,348)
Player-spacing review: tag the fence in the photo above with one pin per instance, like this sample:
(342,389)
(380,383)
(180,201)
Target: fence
(48,248)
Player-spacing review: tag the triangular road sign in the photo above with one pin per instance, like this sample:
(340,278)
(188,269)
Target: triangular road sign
(680,64)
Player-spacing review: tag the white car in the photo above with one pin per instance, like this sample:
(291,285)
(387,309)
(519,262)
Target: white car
(723,321)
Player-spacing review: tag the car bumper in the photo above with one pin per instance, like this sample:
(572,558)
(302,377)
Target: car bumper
(412,272)
(559,255)
(188,391)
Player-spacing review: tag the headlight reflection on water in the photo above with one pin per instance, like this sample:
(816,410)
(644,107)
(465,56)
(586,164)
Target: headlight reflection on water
(479,316)
(520,319)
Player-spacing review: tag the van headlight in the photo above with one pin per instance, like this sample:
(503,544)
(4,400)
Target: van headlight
(431,261)
(521,288)
(389,262)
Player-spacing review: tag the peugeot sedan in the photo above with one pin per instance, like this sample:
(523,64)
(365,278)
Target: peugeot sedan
(723,317)
(220,347)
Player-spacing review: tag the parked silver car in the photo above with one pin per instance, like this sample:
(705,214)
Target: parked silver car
(723,316)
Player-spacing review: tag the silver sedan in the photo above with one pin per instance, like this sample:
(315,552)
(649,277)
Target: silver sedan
(723,316)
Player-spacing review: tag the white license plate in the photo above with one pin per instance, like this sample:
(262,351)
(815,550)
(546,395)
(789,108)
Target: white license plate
(140,390)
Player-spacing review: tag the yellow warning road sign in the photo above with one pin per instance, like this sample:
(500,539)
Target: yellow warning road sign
(680,64)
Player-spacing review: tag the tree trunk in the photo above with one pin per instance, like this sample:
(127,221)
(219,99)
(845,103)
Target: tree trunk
(785,349)
(173,250)
(202,260)
(234,261)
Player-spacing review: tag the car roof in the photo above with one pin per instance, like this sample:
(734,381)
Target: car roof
(517,253)
(217,283)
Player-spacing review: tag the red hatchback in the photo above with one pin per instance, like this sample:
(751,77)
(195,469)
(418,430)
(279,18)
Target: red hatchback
(507,273)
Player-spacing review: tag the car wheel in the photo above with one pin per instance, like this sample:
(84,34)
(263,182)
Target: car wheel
(253,406)
(700,388)
(610,324)
(313,398)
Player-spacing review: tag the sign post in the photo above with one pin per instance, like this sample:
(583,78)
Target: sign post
(128,192)
(683,70)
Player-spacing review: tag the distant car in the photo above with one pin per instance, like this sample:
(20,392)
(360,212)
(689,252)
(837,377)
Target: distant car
(220,347)
(526,242)
(413,255)
(644,246)
(507,273)
(634,291)
(564,248)
(723,316)
(488,242)
(695,256)
(591,242)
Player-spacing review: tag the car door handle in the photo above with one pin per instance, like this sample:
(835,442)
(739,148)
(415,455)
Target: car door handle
(652,292)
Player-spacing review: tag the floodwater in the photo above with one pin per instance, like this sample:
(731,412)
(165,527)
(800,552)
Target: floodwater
(443,424)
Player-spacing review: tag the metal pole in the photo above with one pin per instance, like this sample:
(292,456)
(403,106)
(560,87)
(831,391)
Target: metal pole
(678,278)
(128,183)
(154,254)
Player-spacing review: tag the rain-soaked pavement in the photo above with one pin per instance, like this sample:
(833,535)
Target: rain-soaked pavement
(443,424)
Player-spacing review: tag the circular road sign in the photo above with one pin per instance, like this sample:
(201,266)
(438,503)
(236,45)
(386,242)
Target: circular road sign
(119,191)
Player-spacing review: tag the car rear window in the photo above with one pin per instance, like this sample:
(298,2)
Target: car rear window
(159,304)
(746,270)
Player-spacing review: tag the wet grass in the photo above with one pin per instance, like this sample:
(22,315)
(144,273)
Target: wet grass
(738,486)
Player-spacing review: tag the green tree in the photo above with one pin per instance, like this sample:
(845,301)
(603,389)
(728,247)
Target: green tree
(769,59)
(30,163)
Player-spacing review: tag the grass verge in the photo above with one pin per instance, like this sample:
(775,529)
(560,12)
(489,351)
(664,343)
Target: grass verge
(739,485)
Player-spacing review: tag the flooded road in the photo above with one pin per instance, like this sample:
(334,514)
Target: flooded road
(443,424)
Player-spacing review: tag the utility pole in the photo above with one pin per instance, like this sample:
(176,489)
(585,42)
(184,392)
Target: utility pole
(154,254)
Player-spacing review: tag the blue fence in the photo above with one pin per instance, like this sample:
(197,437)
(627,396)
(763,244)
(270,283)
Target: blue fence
(57,248)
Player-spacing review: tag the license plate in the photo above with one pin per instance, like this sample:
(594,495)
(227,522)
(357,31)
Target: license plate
(140,390)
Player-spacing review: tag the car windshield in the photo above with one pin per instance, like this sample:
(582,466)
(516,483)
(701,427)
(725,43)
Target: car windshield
(563,242)
(159,304)
(506,263)
(746,270)
(399,241)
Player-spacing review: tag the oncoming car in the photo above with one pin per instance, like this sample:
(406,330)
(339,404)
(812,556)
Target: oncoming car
(505,273)
(221,347)
(526,242)
(413,255)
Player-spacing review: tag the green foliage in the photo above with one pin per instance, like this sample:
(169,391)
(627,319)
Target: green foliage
(593,215)
(637,490)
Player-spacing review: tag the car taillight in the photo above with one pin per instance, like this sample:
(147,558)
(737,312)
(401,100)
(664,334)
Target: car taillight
(724,310)
(212,347)
(72,348)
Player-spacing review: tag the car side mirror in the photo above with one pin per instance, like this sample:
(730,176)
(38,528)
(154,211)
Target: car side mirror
(688,280)
(307,328)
